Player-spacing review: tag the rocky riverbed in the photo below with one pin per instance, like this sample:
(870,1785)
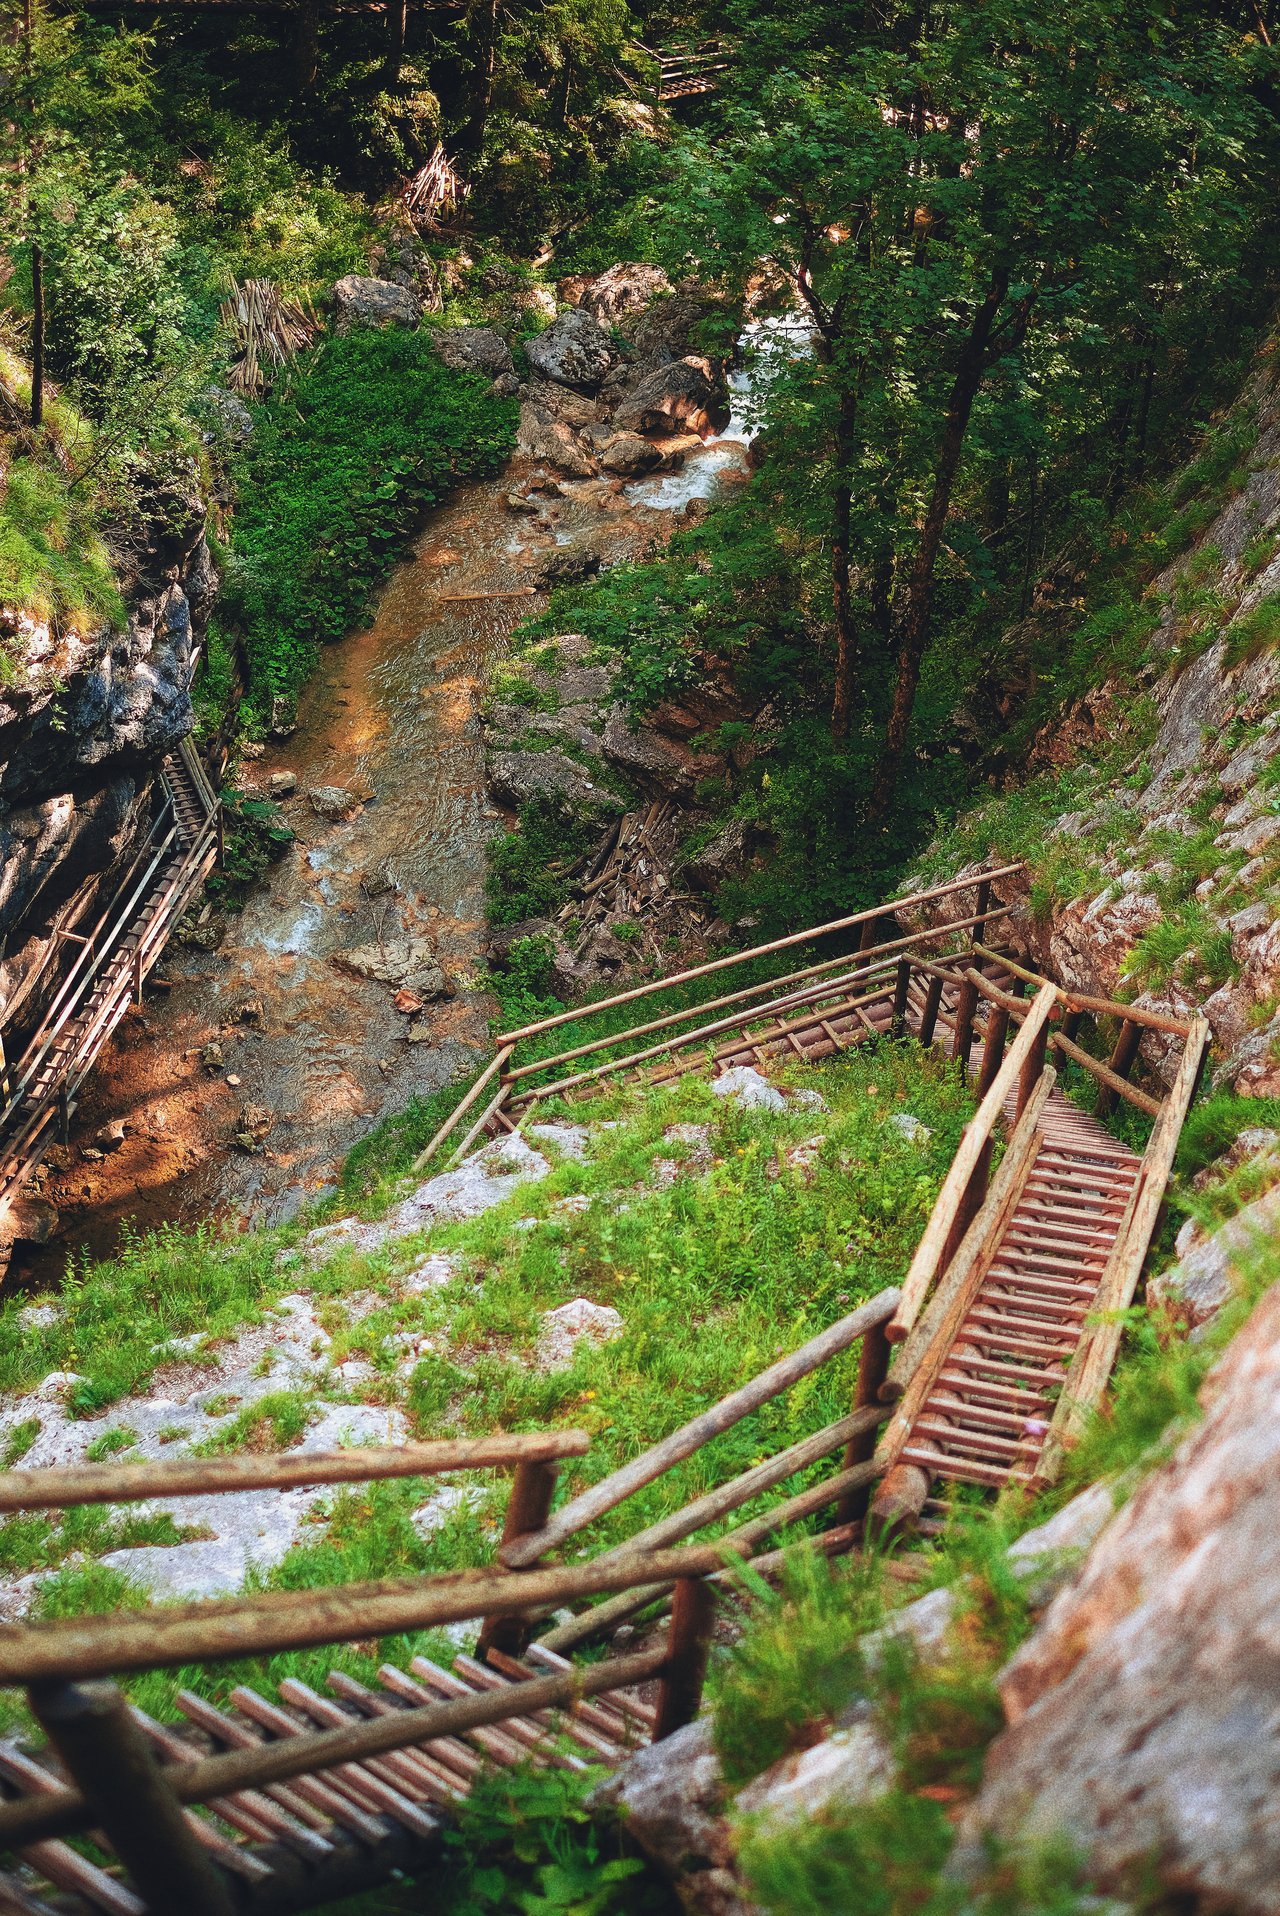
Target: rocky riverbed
(353,978)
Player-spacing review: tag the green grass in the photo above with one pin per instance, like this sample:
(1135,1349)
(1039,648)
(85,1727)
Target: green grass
(365,434)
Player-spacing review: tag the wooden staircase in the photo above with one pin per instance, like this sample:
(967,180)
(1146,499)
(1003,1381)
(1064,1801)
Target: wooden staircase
(38,1088)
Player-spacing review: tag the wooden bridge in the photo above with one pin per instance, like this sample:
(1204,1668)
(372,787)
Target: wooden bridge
(111,959)
(980,1369)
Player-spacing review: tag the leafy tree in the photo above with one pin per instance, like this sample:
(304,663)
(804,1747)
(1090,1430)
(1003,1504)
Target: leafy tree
(964,197)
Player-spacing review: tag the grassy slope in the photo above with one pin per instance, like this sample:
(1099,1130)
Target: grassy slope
(713,1274)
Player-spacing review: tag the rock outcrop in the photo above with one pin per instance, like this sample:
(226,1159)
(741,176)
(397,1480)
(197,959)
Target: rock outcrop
(85,726)
(359,301)
(1145,1709)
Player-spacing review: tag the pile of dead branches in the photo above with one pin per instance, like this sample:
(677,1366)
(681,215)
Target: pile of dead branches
(630,875)
(265,330)
(436,190)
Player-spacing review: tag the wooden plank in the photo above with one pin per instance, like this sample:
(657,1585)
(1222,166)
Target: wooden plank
(63,1486)
(1087,1377)
(929,1346)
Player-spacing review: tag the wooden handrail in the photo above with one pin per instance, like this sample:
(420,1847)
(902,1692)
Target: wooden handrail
(169,1635)
(776,944)
(922,1355)
(927,1262)
(622,1483)
(1112,1080)
(1096,1354)
(1098,1007)
(490,1071)
(67,1486)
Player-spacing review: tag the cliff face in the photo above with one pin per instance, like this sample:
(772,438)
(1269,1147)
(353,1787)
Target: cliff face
(85,726)
(1173,864)
(1144,1712)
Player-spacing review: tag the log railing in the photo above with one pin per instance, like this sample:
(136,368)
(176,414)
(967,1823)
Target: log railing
(859,980)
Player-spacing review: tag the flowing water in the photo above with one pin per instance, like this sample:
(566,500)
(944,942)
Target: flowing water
(312,1051)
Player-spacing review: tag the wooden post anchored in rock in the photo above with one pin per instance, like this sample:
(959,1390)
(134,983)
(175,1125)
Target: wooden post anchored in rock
(688,1646)
(902,984)
(1121,1062)
(873,1369)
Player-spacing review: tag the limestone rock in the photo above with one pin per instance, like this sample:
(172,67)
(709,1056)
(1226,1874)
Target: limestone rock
(564,1328)
(554,443)
(282,784)
(1145,1710)
(473,349)
(1195,1288)
(627,453)
(682,394)
(484,1179)
(728,855)
(517,777)
(747,1087)
(851,1766)
(626,288)
(358,301)
(574,351)
(333,803)
(659,765)
(909,1128)
(672,1799)
(408,963)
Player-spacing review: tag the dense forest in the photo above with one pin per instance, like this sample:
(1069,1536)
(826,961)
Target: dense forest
(300,300)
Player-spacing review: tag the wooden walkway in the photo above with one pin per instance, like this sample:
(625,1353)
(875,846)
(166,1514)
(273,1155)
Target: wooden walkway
(980,1369)
(287,1845)
(111,960)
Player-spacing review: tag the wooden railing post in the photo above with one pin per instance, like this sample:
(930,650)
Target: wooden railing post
(873,1369)
(902,984)
(932,1006)
(966,1006)
(108,1756)
(981,908)
(1032,1071)
(528,1508)
(1121,1062)
(993,1047)
(688,1646)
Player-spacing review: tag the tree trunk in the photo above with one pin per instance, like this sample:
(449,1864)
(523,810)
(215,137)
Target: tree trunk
(397,22)
(846,636)
(37,334)
(472,141)
(914,630)
(306,47)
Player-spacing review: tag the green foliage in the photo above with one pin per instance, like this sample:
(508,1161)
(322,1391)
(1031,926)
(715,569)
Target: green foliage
(53,563)
(527,867)
(366,433)
(797,1666)
(524,1841)
(1257,630)
(254,835)
(1214,1124)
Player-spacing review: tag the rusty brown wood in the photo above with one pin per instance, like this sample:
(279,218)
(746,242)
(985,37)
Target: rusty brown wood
(64,1486)
(688,1647)
(528,1508)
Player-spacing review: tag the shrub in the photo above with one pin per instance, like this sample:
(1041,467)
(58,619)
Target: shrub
(345,456)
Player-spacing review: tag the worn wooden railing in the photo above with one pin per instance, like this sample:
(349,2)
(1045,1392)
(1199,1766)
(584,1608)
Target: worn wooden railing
(855,983)
(114,955)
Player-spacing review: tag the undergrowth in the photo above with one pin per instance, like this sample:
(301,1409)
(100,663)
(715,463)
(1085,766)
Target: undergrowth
(363,435)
